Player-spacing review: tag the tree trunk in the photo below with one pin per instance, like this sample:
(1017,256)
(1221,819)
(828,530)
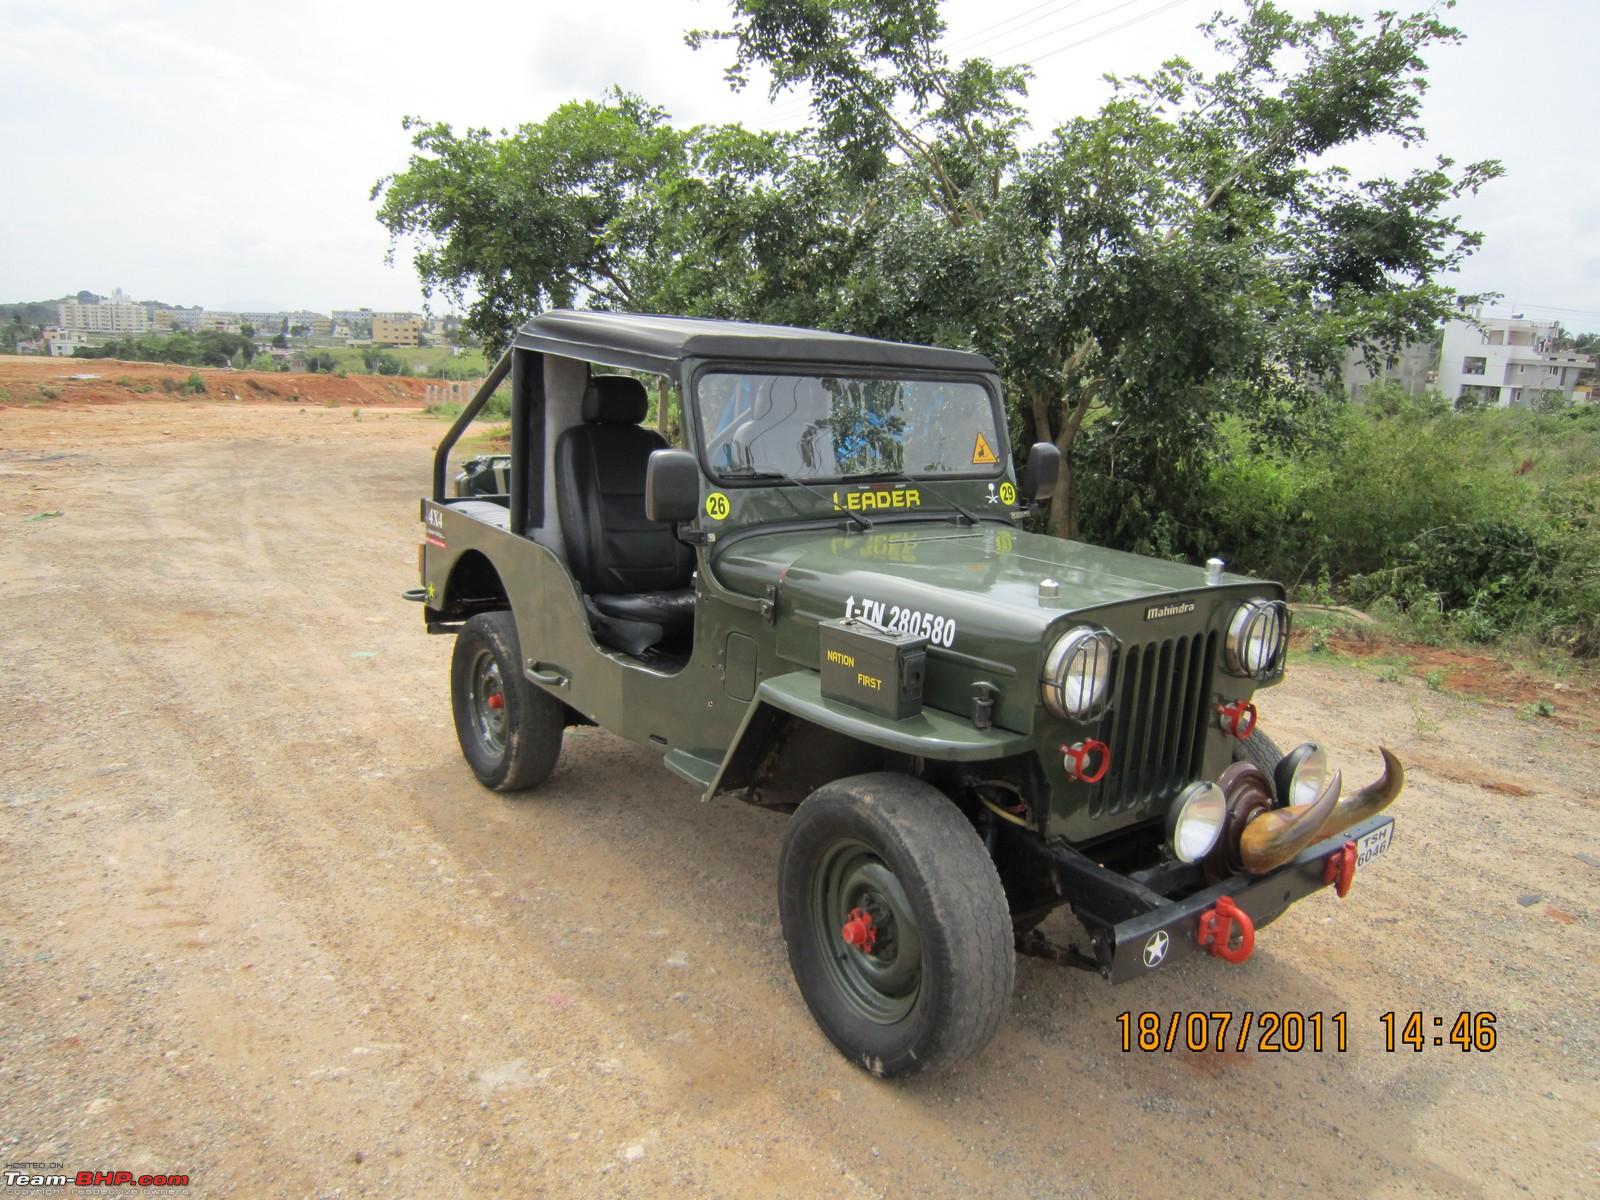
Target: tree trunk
(1063,521)
(1063,514)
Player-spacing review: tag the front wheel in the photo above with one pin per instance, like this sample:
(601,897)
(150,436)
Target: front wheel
(897,926)
(510,731)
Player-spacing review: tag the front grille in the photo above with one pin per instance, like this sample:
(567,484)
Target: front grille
(1156,724)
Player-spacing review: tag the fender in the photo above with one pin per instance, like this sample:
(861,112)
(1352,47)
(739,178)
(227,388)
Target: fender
(797,695)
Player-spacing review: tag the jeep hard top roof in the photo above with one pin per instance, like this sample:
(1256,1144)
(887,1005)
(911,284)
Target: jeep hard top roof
(658,343)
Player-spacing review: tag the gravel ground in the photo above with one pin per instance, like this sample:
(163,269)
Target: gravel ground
(261,926)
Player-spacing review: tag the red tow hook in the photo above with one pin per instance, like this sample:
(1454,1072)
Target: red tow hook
(1075,758)
(1341,869)
(859,931)
(1238,718)
(1216,931)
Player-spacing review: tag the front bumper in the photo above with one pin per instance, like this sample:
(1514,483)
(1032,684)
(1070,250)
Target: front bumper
(1135,947)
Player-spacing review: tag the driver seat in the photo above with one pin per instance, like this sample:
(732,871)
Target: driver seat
(634,572)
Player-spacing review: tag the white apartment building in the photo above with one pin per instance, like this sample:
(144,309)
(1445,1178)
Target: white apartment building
(117,315)
(64,342)
(1506,360)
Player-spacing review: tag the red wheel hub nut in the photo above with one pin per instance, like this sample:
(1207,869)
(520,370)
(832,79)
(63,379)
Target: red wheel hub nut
(497,701)
(859,930)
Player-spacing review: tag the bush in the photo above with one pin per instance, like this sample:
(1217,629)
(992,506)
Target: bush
(1477,525)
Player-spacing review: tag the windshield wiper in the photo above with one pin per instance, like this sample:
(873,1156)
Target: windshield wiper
(921,483)
(769,473)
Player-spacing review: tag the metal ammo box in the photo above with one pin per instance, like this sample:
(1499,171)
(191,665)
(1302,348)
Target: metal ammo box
(875,669)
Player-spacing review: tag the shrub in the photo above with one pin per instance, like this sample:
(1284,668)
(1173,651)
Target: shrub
(1479,525)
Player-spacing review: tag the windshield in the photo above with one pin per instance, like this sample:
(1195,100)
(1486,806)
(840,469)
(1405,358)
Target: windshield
(836,426)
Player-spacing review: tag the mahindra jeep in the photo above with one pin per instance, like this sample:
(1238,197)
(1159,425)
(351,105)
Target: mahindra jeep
(824,602)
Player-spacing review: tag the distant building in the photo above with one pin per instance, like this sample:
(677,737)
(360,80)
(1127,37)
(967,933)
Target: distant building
(223,322)
(396,329)
(266,324)
(1413,369)
(64,342)
(117,315)
(1504,361)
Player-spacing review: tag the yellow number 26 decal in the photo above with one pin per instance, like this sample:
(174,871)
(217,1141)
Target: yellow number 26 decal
(717,506)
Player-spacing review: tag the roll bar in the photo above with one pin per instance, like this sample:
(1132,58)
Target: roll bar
(441,456)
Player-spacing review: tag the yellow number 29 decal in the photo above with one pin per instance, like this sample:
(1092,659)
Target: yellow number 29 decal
(717,506)
(1008,493)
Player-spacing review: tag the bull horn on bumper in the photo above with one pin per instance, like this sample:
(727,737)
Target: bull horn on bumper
(1370,800)
(1274,837)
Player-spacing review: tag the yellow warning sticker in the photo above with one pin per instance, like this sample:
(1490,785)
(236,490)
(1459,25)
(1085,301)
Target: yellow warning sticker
(717,506)
(982,452)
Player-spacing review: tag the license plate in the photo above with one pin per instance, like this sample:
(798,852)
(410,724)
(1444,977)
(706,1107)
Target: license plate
(1373,844)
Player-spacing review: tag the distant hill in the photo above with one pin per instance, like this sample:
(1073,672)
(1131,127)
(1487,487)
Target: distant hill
(32,312)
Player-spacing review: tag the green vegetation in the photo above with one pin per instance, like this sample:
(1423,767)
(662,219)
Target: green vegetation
(498,407)
(436,362)
(1167,285)
(208,348)
(211,348)
(1191,252)
(1468,525)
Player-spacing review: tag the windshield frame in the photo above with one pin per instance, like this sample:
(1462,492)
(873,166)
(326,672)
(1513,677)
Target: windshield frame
(999,469)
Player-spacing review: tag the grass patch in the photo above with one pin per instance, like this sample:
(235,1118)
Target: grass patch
(491,439)
(430,362)
(497,409)
(47,392)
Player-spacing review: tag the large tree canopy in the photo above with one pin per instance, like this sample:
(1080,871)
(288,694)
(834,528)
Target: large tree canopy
(1189,251)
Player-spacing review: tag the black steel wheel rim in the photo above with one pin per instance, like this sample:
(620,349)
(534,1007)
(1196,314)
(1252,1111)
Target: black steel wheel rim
(488,700)
(881,984)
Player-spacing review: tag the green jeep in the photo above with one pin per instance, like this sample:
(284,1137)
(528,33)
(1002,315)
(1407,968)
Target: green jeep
(825,605)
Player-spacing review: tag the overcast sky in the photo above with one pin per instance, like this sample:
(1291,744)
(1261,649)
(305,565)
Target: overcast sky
(222,153)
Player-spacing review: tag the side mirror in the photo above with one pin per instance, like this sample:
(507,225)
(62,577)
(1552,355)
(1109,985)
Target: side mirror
(671,486)
(1041,472)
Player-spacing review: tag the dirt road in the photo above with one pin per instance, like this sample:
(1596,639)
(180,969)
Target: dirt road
(260,926)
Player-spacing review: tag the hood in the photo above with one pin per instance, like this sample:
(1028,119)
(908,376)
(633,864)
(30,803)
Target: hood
(989,573)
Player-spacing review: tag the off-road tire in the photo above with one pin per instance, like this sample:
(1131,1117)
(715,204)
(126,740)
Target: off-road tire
(1259,749)
(533,721)
(961,920)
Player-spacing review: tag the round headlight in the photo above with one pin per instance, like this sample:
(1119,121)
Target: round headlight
(1194,823)
(1301,774)
(1258,635)
(1077,673)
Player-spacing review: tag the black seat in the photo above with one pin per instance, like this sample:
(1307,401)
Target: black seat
(633,571)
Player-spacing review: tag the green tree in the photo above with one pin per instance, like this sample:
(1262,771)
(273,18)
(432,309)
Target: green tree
(1179,255)
(1138,274)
